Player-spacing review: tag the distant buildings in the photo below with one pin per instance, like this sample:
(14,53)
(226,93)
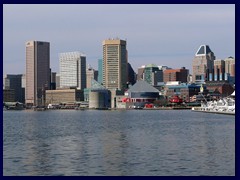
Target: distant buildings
(91,74)
(63,96)
(115,64)
(230,69)
(115,75)
(140,72)
(14,83)
(183,90)
(219,70)
(100,71)
(57,81)
(152,74)
(53,80)
(131,75)
(72,70)
(141,93)
(202,64)
(176,75)
(8,95)
(37,71)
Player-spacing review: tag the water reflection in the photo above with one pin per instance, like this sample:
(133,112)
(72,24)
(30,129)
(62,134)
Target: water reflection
(118,143)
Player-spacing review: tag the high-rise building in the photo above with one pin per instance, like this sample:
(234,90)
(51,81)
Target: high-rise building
(219,70)
(72,70)
(100,71)
(230,69)
(202,64)
(37,71)
(115,72)
(14,82)
(152,74)
(91,74)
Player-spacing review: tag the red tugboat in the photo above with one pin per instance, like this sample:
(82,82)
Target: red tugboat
(175,100)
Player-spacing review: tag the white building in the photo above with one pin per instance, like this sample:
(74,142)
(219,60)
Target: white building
(72,70)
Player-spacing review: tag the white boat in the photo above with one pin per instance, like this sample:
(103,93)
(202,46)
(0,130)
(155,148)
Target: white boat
(223,106)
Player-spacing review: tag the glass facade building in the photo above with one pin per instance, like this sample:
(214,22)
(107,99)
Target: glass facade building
(72,70)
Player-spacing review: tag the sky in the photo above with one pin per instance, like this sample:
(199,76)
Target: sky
(162,34)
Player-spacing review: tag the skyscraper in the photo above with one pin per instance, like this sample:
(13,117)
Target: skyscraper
(72,70)
(37,71)
(115,72)
(203,64)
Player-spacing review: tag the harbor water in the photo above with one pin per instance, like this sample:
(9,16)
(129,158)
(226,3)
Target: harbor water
(118,143)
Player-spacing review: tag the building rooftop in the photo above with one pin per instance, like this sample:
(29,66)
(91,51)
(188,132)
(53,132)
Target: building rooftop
(96,85)
(203,50)
(142,86)
(151,65)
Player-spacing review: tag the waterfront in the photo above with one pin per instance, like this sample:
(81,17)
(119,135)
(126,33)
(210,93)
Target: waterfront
(136,142)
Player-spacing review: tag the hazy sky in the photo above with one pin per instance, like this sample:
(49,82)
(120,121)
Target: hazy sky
(160,34)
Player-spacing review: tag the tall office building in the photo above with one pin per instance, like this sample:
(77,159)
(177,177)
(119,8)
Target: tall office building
(37,71)
(72,70)
(203,64)
(115,69)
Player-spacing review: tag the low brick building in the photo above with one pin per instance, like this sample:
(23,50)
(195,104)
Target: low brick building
(223,87)
(63,96)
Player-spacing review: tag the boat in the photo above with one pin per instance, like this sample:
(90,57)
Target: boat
(222,106)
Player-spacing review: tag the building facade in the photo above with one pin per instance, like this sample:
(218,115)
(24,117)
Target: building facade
(152,74)
(219,70)
(176,75)
(131,75)
(91,74)
(14,82)
(72,70)
(140,72)
(115,72)
(230,69)
(100,71)
(182,90)
(63,96)
(202,64)
(37,71)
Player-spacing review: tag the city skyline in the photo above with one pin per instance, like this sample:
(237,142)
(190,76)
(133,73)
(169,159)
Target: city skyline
(161,34)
